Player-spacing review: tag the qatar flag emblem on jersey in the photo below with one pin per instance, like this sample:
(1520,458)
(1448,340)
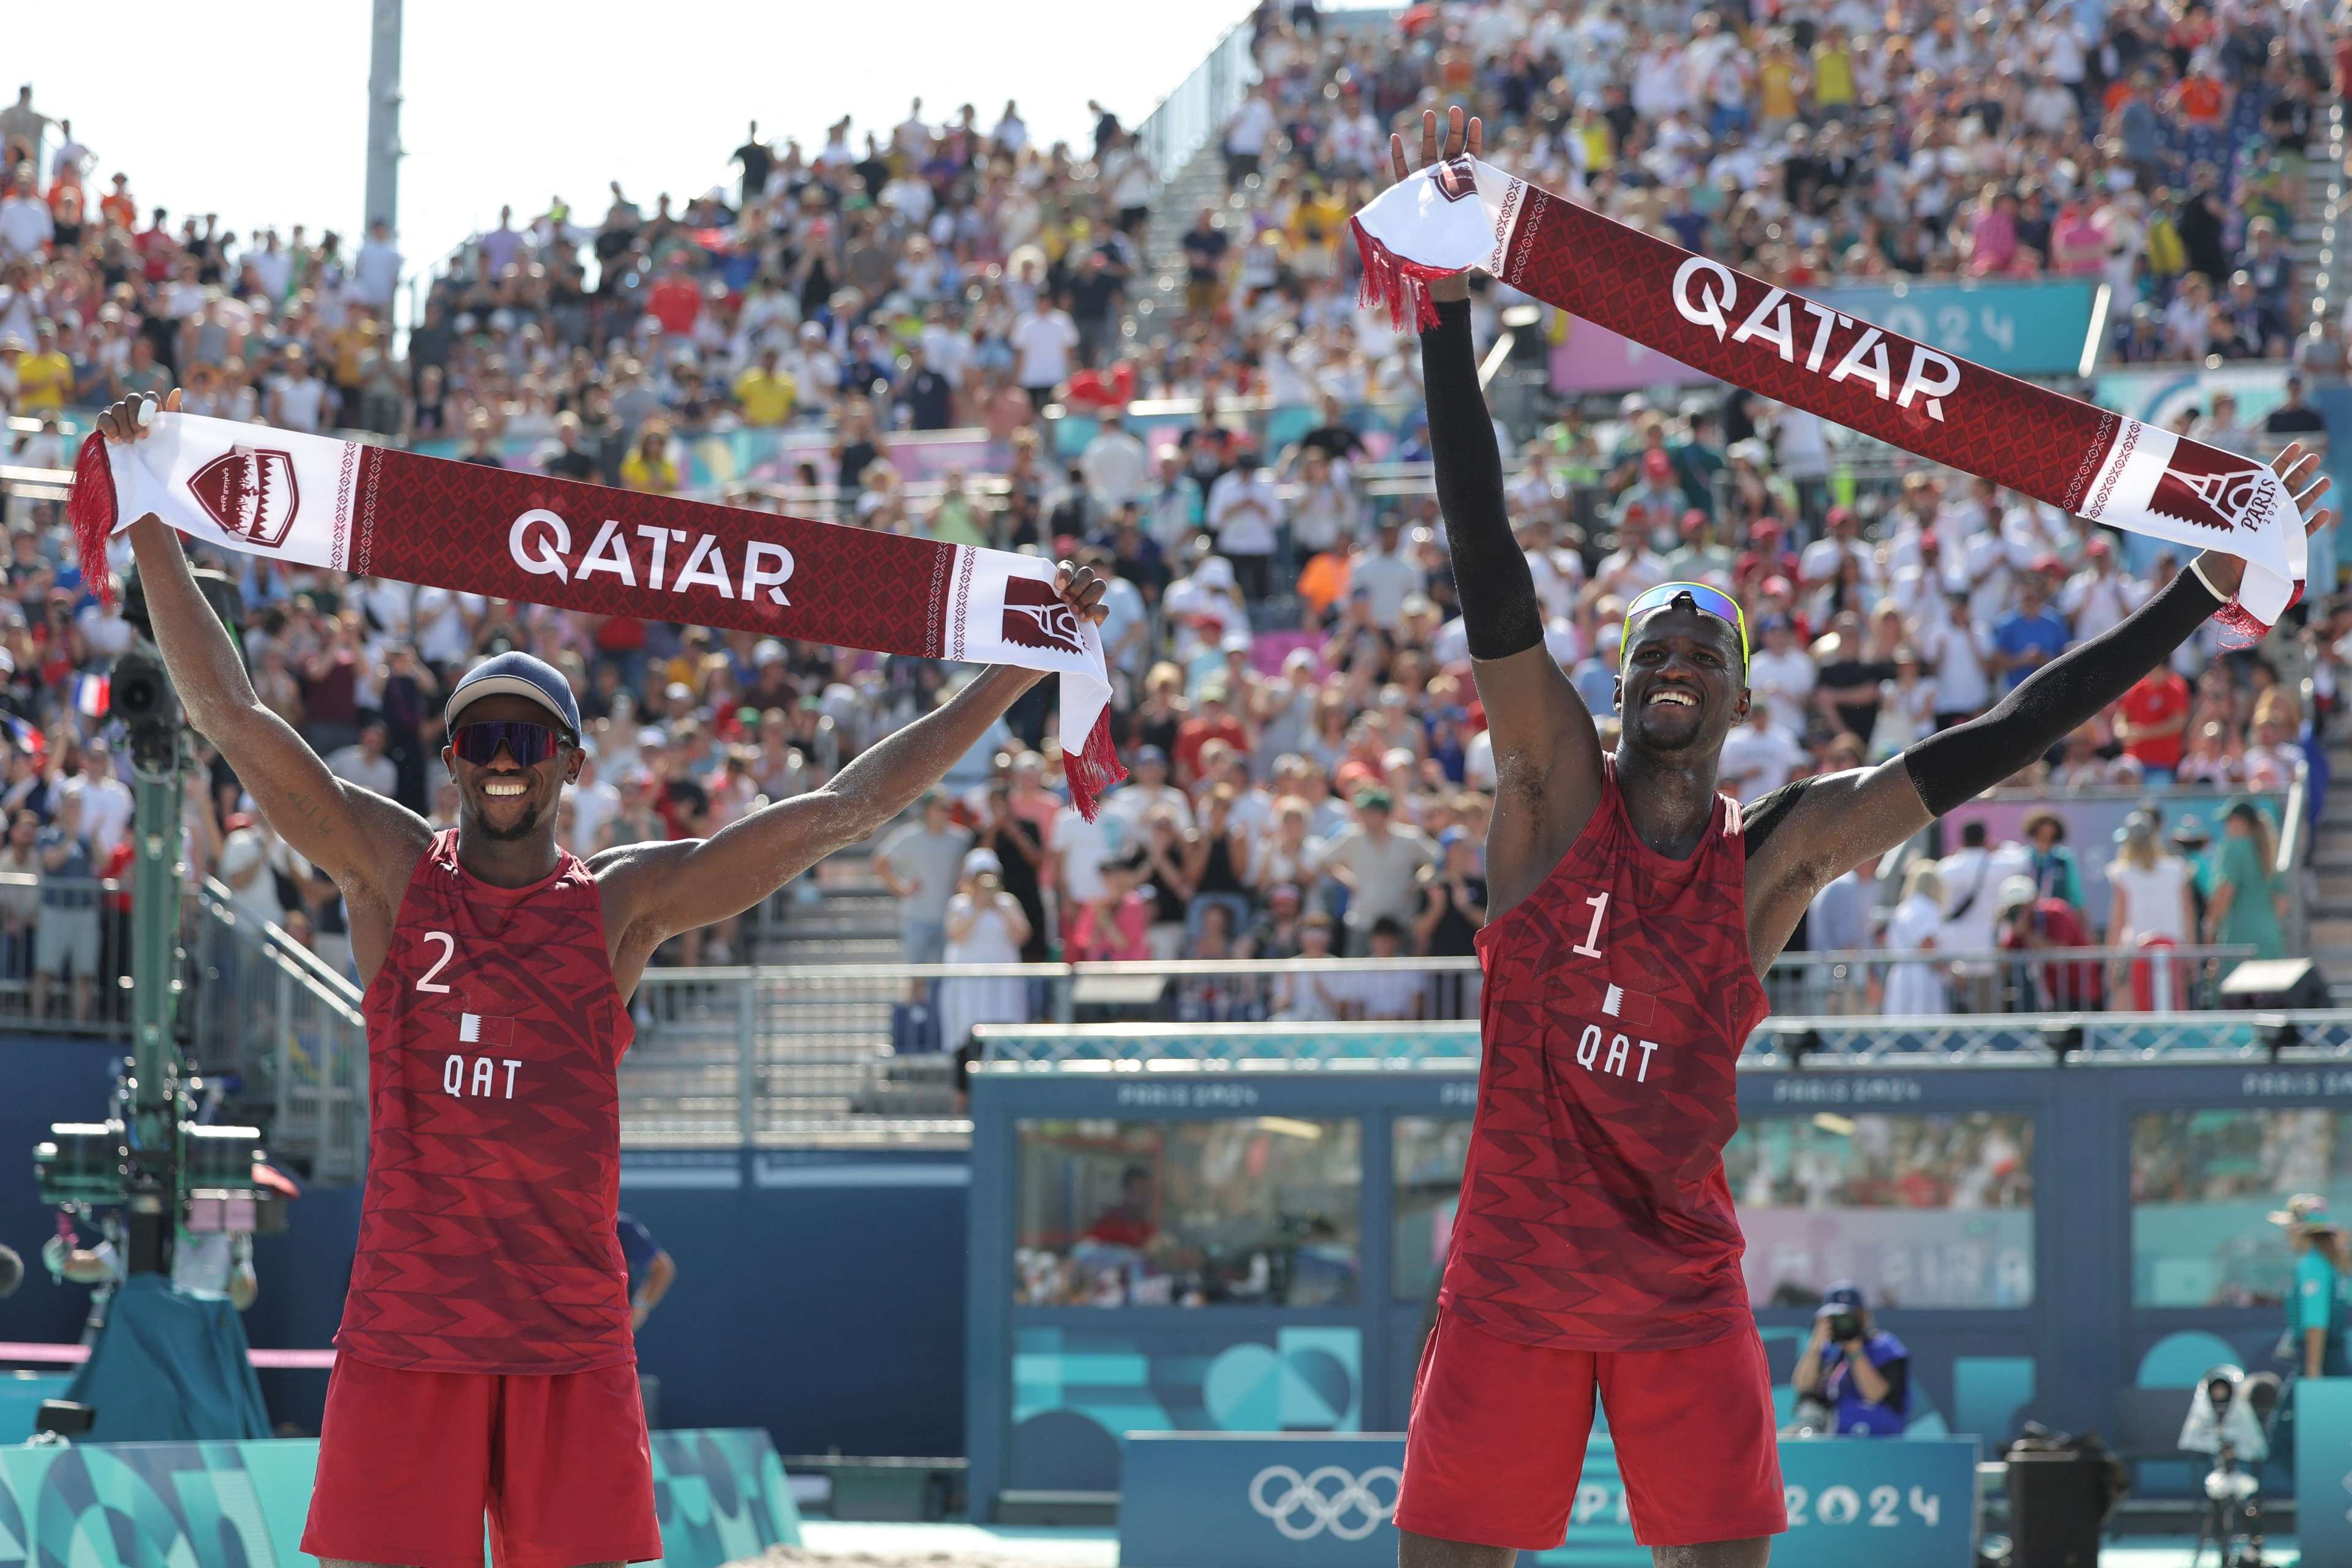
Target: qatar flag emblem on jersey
(474,1029)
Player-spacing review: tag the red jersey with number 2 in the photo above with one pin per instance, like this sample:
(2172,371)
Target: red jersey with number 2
(1594,1212)
(495,1035)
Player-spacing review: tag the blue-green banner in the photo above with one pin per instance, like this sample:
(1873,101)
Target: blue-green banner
(1270,1500)
(2035,328)
(721,1495)
(2323,1468)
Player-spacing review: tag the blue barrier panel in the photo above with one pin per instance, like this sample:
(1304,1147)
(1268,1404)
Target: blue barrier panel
(1194,1500)
(2323,1468)
(721,1495)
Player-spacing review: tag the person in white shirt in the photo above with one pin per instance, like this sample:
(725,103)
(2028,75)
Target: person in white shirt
(106,802)
(363,763)
(1043,340)
(26,228)
(1146,789)
(1820,564)
(594,802)
(2097,598)
(1243,513)
(1080,848)
(1758,757)
(1384,572)
(1253,126)
(1202,610)
(375,272)
(1781,676)
(1116,467)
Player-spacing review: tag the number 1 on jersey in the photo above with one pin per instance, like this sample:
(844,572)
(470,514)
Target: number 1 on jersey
(1589,947)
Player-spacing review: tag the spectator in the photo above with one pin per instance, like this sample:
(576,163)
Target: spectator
(984,925)
(2031,922)
(365,763)
(2247,900)
(1915,989)
(1377,862)
(65,943)
(2051,864)
(921,862)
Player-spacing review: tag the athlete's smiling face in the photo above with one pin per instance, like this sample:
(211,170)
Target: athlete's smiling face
(1683,685)
(502,799)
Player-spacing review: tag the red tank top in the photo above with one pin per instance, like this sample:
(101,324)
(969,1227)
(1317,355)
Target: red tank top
(1594,1212)
(495,1035)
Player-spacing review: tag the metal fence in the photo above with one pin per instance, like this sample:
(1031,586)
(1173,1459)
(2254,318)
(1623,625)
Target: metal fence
(2263,1040)
(1195,113)
(266,1011)
(65,953)
(773,1055)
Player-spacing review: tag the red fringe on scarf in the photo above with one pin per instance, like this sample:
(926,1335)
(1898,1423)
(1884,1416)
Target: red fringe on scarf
(1092,769)
(91,508)
(1392,280)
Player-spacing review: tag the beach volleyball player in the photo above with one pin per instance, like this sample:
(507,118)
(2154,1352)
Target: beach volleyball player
(1632,911)
(486,1362)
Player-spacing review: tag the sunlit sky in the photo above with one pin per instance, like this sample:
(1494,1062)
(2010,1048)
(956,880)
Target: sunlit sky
(256,109)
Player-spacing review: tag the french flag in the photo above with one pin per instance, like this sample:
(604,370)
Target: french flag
(93,694)
(28,739)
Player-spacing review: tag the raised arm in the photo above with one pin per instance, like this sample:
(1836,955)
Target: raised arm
(1838,822)
(1546,753)
(367,843)
(653,892)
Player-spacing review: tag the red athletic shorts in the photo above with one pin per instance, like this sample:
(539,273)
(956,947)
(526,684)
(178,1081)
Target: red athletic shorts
(1497,1442)
(410,1461)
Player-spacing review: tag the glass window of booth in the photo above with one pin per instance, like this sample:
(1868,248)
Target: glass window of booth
(1920,1210)
(1428,1153)
(2204,1186)
(1256,1211)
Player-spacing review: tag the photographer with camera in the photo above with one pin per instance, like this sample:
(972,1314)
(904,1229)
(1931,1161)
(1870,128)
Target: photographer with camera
(1859,1375)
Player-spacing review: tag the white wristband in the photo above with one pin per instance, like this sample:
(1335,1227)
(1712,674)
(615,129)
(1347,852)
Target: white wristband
(2197,567)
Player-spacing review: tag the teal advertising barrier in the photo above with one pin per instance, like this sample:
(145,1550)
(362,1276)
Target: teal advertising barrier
(2323,1468)
(721,1495)
(2038,328)
(1192,1499)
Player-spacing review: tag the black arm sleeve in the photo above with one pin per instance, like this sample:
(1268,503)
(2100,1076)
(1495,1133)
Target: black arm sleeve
(1958,764)
(1761,817)
(1499,613)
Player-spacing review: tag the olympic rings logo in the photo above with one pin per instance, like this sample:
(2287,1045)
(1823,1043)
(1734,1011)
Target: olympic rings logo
(1326,1498)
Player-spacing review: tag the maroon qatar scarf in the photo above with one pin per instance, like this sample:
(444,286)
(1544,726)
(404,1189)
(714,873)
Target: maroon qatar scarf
(1462,213)
(378,512)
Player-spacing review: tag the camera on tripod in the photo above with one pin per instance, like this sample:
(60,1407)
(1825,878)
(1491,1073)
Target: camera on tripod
(2230,1418)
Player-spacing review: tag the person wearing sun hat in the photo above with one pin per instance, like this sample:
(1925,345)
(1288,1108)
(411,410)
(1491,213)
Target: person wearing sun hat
(2316,1342)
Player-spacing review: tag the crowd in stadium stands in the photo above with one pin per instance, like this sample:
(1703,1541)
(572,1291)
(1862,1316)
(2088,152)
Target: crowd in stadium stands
(1310,770)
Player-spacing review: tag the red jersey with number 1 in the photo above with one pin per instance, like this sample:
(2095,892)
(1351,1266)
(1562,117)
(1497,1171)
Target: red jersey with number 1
(495,1035)
(1594,1211)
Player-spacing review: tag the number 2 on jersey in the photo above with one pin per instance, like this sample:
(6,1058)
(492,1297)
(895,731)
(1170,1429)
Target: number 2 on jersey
(1589,947)
(426,982)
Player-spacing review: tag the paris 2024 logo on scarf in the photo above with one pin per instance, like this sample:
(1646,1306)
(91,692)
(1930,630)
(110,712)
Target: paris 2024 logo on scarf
(1035,617)
(250,492)
(2213,489)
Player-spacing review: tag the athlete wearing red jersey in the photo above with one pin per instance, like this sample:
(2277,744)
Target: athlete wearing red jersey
(1632,909)
(486,1363)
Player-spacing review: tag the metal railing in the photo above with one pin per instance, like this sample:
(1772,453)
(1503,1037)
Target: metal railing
(1196,111)
(64,955)
(265,1009)
(2260,1039)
